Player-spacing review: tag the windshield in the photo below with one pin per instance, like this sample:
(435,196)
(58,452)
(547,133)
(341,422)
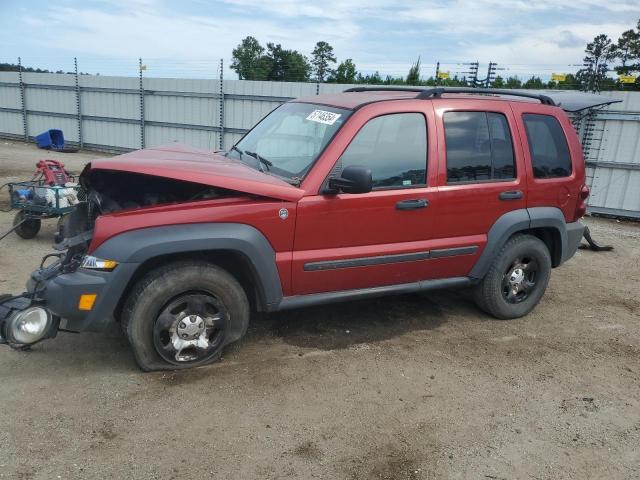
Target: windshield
(289,140)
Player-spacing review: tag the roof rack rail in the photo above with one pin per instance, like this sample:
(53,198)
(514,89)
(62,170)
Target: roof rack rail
(384,89)
(425,93)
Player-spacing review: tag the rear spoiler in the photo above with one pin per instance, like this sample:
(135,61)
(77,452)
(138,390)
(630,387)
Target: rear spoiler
(573,101)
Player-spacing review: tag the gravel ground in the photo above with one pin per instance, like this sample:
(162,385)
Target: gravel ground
(412,387)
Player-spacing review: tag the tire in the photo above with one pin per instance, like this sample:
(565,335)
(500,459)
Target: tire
(29,228)
(183,314)
(517,278)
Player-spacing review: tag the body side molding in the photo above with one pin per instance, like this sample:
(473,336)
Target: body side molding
(386,259)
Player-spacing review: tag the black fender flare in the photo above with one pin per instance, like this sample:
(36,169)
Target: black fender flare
(138,246)
(516,221)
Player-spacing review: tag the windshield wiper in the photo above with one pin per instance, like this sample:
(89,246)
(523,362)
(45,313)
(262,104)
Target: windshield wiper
(260,159)
(237,150)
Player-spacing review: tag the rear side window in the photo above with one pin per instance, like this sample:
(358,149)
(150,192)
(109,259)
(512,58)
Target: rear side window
(548,146)
(394,147)
(479,147)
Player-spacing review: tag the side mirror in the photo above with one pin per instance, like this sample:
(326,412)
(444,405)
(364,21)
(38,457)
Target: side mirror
(354,179)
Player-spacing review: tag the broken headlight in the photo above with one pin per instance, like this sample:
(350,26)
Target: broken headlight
(93,263)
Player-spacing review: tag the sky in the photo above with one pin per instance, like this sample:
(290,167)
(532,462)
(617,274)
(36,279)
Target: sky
(187,38)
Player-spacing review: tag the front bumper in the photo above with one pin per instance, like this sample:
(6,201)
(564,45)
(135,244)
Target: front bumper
(60,294)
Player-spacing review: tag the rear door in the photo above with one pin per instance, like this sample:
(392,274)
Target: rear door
(481,176)
(550,143)
(352,241)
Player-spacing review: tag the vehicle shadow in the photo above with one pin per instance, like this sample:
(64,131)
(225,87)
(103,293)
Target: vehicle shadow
(87,353)
(341,325)
(325,327)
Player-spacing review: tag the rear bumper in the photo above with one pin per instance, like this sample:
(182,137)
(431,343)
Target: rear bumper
(61,295)
(575,230)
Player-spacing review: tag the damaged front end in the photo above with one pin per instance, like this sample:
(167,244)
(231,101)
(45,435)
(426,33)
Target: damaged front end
(73,290)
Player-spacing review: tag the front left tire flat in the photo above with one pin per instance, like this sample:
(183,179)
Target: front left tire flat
(182,315)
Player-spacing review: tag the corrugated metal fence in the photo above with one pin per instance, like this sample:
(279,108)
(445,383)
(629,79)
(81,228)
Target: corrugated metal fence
(116,114)
(612,151)
(126,113)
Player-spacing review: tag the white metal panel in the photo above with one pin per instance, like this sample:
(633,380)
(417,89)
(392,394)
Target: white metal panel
(115,105)
(121,135)
(630,101)
(48,100)
(38,124)
(207,140)
(48,78)
(616,189)
(107,104)
(9,77)
(11,123)
(10,97)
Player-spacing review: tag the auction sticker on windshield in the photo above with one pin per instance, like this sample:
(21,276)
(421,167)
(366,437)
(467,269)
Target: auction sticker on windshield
(322,116)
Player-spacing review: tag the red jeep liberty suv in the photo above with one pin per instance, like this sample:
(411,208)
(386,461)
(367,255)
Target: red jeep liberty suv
(329,198)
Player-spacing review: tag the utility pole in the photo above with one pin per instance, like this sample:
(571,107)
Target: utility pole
(491,73)
(473,71)
(437,73)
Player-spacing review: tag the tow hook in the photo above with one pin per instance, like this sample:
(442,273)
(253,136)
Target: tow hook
(24,322)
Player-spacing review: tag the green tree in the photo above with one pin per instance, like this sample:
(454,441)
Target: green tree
(346,72)
(322,59)
(413,77)
(513,82)
(374,79)
(498,82)
(627,50)
(570,82)
(287,65)
(598,53)
(534,83)
(248,60)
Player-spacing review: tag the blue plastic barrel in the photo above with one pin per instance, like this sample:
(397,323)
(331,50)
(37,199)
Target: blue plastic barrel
(51,139)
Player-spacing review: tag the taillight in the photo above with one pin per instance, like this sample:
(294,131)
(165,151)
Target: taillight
(584,192)
(581,207)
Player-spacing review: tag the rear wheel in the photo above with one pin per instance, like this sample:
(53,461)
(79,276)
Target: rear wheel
(28,227)
(516,280)
(182,315)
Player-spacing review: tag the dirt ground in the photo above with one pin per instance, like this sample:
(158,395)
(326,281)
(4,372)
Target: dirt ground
(413,387)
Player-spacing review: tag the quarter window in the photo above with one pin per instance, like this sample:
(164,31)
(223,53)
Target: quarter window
(394,147)
(479,147)
(548,147)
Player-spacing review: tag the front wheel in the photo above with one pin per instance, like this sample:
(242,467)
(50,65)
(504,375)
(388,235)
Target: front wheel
(182,315)
(517,278)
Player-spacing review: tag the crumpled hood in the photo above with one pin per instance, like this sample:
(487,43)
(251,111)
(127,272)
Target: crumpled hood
(182,162)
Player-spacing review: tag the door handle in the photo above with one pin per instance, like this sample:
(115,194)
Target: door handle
(511,195)
(412,204)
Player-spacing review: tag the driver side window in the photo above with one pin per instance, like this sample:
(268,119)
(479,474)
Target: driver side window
(394,147)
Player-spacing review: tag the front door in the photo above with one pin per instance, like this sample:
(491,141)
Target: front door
(351,241)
